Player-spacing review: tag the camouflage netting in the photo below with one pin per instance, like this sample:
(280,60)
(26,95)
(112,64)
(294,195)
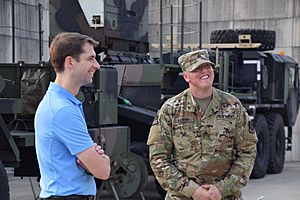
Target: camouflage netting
(34,84)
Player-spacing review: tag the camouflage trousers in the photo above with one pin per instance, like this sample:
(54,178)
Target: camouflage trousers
(177,197)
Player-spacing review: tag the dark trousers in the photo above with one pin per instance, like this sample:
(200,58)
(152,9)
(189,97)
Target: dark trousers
(70,197)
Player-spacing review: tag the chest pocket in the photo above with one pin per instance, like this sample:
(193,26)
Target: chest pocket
(185,138)
(219,137)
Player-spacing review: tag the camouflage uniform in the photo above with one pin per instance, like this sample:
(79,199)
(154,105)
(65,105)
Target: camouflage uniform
(189,148)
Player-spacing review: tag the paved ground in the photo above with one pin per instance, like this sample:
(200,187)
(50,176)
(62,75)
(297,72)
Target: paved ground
(284,186)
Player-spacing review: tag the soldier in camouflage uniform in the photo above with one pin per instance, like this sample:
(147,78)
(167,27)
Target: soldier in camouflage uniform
(202,143)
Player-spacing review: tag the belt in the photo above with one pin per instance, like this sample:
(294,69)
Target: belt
(71,197)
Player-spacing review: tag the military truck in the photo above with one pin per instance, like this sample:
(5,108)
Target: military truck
(122,102)
(23,85)
(266,83)
(268,86)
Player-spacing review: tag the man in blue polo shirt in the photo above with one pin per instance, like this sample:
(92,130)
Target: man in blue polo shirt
(66,153)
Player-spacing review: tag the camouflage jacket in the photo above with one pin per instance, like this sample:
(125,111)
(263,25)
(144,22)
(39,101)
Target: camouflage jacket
(188,149)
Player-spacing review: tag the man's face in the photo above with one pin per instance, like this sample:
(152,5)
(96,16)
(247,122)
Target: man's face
(86,65)
(201,77)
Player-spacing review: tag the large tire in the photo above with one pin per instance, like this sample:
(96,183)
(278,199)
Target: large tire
(277,143)
(129,174)
(262,156)
(266,37)
(4,188)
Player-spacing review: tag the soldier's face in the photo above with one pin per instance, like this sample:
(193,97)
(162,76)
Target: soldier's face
(201,78)
(86,66)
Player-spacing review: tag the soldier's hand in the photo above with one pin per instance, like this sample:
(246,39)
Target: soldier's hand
(213,190)
(202,194)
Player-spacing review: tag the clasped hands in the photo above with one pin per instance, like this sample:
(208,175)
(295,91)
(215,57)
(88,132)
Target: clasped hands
(207,192)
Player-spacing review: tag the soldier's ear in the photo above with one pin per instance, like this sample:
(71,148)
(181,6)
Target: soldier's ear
(186,77)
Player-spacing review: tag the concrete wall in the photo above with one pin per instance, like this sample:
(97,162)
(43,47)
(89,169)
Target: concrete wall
(283,16)
(26,30)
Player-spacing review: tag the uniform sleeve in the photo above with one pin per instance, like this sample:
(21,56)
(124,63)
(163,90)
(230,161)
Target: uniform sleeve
(245,147)
(160,153)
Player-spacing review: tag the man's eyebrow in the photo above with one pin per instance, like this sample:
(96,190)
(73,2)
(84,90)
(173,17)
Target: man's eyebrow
(92,56)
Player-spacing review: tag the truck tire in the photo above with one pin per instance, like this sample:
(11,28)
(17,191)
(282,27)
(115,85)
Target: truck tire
(129,175)
(277,143)
(267,38)
(262,156)
(4,188)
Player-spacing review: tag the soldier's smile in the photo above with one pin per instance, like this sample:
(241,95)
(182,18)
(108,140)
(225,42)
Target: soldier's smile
(204,77)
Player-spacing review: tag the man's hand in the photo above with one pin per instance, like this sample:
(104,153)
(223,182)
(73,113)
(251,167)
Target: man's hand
(213,191)
(202,194)
(95,161)
(99,150)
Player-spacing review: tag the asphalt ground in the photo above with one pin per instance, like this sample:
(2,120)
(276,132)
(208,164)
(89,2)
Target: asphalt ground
(283,186)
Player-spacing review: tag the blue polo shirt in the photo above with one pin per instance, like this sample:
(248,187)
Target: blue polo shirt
(60,134)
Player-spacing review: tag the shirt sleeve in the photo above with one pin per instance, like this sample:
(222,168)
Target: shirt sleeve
(70,128)
(245,147)
(160,153)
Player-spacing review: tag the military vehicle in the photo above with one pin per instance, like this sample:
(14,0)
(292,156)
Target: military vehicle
(129,88)
(23,85)
(266,83)
(268,86)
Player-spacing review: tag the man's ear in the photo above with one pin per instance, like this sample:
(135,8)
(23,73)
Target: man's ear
(68,62)
(186,77)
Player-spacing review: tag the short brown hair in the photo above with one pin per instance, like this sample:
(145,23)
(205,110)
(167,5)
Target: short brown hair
(67,44)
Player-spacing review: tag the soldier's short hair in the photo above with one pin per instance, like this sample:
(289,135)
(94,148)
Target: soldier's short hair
(67,44)
(192,60)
